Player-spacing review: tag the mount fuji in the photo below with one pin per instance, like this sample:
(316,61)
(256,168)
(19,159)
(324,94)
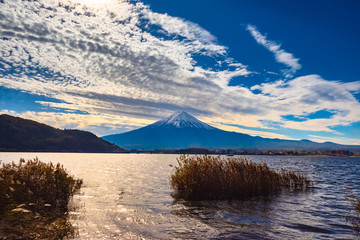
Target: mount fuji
(181,120)
(181,130)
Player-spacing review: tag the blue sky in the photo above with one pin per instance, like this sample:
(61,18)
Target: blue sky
(279,69)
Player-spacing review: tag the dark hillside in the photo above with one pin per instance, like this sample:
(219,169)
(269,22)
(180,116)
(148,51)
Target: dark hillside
(18,134)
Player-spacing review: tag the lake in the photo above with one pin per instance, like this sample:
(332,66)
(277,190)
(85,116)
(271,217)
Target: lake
(128,196)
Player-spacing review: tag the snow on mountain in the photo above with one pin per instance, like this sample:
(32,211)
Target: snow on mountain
(181,120)
(181,131)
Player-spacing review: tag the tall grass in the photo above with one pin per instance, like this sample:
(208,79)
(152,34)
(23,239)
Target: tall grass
(34,198)
(211,177)
(355,218)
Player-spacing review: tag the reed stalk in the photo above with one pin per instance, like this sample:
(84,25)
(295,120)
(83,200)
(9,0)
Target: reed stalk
(212,177)
(34,200)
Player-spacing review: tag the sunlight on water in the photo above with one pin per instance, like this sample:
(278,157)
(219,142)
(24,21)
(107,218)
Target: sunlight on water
(128,196)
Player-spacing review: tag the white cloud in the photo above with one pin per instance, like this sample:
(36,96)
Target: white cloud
(9,112)
(73,53)
(281,55)
(251,132)
(353,87)
(100,124)
(111,62)
(309,94)
(341,140)
(198,38)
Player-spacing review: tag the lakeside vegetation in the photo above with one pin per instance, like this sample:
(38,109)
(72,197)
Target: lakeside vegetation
(34,200)
(272,152)
(212,177)
(355,218)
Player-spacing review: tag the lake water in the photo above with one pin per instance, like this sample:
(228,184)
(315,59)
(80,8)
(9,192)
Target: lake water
(128,196)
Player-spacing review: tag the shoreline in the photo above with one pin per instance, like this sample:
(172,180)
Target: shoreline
(198,153)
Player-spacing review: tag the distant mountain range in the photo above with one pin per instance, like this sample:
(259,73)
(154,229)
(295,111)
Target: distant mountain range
(20,135)
(181,131)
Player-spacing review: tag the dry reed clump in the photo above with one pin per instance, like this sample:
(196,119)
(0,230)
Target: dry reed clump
(34,198)
(211,177)
(355,218)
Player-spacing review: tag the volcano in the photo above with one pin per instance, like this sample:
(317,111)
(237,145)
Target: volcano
(182,130)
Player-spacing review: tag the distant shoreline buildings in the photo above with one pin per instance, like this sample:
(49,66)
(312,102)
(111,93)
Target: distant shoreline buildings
(274,152)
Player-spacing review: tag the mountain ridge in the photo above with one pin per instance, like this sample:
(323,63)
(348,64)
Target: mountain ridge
(24,135)
(182,130)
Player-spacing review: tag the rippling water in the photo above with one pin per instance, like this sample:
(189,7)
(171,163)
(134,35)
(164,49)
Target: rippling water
(128,196)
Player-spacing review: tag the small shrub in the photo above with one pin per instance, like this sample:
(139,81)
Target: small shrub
(354,219)
(34,198)
(211,177)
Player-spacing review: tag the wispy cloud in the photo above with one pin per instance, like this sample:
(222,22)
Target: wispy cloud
(309,94)
(341,140)
(101,124)
(281,55)
(60,49)
(251,132)
(197,37)
(122,62)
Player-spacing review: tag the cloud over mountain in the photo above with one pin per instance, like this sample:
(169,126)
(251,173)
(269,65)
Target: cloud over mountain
(124,65)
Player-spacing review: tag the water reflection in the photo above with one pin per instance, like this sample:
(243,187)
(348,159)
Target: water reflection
(230,219)
(129,197)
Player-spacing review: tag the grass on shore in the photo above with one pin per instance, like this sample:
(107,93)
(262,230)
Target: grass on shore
(355,218)
(34,198)
(211,177)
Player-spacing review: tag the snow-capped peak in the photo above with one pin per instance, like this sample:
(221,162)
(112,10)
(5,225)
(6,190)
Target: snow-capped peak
(182,120)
